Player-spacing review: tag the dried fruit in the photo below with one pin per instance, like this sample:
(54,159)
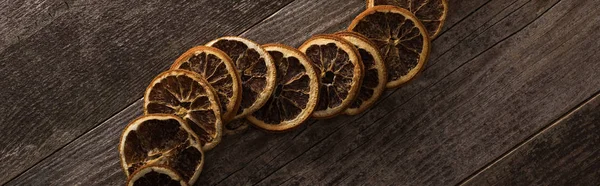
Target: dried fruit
(400,37)
(296,93)
(274,87)
(236,127)
(256,69)
(432,13)
(156,176)
(218,69)
(161,139)
(340,72)
(375,78)
(187,95)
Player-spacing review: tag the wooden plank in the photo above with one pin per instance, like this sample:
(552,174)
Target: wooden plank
(235,151)
(20,19)
(473,115)
(303,19)
(564,153)
(86,160)
(94,60)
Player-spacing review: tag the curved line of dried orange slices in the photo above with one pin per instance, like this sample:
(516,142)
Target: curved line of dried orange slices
(219,88)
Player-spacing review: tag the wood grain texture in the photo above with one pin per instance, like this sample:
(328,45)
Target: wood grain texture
(501,71)
(411,145)
(477,112)
(92,60)
(20,19)
(89,160)
(301,20)
(564,153)
(236,151)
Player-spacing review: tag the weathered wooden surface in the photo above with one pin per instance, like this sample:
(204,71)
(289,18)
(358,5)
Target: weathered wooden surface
(565,153)
(500,72)
(66,68)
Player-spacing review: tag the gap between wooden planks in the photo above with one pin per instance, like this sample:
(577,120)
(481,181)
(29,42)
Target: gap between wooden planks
(539,159)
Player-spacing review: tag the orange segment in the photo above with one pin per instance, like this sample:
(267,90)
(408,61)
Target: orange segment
(218,69)
(156,175)
(296,93)
(400,37)
(432,13)
(236,127)
(375,78)
(340,72)
(256,69)
(161,139)
(187,95)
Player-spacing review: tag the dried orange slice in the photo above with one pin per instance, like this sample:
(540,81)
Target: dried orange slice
(400,37)
(432,13)
(156,176)
(216,67)
(340,71)
(189,96)
(375,78)
(296,93)
(236,127)
(161,139)
(256,69)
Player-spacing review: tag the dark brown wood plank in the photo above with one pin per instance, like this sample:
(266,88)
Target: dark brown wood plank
(564,153)
(20,19)
(92,61)
(87,161)
(473,115)
(98,146)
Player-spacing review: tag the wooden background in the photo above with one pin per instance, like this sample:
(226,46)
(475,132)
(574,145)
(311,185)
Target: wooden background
(510,96)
